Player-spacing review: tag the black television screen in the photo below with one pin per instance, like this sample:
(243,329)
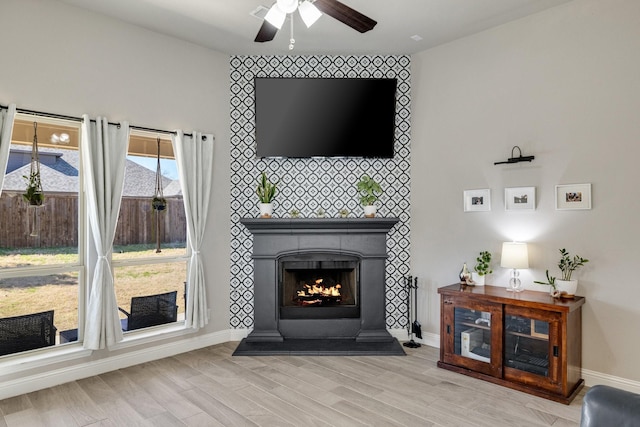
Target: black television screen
(325,117)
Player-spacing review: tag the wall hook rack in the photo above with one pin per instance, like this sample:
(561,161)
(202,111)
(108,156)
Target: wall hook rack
(514,159)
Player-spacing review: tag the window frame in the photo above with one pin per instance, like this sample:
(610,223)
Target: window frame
(147,334)
(78,266)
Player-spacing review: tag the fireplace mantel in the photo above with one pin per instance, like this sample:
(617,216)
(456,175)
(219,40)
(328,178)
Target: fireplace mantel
(319,225)
(365,238)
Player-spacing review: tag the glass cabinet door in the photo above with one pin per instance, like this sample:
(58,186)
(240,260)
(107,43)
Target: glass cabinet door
(531,349)
(526,344)
(473,332)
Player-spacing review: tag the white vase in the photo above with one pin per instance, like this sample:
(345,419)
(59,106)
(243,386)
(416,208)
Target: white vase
(567,288)
(478,279)
(266,210)
(370,211)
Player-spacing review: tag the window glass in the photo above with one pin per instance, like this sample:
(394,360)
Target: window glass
(41,234)
(149,254)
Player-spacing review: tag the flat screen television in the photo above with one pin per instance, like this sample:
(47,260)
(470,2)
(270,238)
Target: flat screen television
(325,117)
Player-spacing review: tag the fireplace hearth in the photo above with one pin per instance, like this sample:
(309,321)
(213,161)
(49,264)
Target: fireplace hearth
(319,287)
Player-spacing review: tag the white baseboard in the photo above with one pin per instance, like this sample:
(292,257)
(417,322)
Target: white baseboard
(432,340)
(592,378)
(30,383)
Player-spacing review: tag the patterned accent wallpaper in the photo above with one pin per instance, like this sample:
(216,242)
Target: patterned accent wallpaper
(310,184)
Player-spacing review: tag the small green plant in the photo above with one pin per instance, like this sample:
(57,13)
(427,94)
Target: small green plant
(483,263)
(344,212)
(159,203)
(568,265)
(266,190)
(551,281)
(369,190)
(34,194)
(295,213)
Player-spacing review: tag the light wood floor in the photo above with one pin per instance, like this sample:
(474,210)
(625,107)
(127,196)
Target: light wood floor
(208,387)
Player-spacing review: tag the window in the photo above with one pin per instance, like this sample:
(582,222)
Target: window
(41,260)
(150,255)
(43,248)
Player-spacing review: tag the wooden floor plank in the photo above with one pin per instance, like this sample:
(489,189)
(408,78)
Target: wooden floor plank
(209,387)
(25,418)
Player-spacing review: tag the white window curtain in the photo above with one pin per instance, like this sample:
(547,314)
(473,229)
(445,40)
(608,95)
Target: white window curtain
(104,152)
(6,129)
(194,156)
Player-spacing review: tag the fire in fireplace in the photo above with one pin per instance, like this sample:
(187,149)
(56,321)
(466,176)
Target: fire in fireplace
(318,294)
(319,286)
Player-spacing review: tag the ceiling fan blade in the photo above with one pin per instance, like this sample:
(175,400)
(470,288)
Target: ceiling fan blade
(346,15)
(267,32)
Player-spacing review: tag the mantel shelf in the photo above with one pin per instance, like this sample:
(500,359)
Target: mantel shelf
(319,225)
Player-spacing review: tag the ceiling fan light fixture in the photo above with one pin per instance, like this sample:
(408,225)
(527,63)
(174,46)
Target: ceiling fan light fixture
(287,6)
(309,13)
(275,16)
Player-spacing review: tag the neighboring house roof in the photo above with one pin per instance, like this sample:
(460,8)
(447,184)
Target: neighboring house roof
(59,172)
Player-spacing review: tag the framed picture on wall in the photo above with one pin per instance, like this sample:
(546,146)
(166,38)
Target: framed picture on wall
(477,200)
(573,196)
(520,198)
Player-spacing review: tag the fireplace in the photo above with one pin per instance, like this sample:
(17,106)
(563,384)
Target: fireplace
(319,281)
(319,286)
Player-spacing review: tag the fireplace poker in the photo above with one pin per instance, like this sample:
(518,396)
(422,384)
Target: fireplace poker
(416,328)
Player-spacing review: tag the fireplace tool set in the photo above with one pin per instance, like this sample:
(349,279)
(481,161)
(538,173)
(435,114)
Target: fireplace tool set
(413,327)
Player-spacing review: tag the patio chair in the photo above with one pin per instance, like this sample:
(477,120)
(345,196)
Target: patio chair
(150,310)
(27,332)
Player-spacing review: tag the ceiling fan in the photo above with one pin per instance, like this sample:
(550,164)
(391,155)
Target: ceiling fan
(310,11)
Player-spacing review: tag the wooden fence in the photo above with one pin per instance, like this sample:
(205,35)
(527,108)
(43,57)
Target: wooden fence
(59,222)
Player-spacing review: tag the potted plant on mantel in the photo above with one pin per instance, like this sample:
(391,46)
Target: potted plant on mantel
(369,191)
(266,191)
(565,286)
(482,268)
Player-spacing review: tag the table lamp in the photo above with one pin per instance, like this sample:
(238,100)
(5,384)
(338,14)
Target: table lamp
(515,256)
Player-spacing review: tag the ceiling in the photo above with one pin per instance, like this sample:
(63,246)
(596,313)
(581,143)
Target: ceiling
(227,25)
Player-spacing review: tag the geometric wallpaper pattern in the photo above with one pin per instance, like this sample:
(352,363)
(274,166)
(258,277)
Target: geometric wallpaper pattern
(313,183)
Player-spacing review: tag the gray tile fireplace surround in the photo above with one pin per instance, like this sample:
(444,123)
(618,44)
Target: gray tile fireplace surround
(362,239)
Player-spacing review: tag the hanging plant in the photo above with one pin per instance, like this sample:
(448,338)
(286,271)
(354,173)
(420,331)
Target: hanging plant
(34,194)
(158,202)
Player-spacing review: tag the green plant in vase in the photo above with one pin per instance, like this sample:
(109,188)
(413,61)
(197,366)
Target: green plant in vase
(370,191)
(551,281)
(266,191)
(482,267)
(568,265)
(565,286)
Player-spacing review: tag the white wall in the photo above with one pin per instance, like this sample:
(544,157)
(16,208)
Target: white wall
(564,85)
(61,59)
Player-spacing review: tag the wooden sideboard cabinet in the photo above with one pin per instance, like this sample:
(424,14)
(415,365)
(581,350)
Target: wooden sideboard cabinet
(527,341)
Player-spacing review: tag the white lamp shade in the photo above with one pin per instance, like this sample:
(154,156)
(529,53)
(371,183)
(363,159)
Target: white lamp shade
(287,6)
(275,16)
(309,13)
(514,255)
